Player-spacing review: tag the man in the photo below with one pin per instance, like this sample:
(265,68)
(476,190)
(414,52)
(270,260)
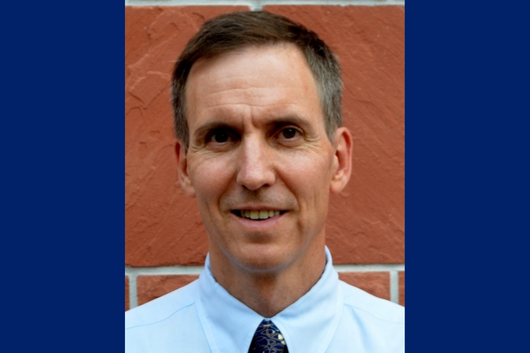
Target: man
(257,103)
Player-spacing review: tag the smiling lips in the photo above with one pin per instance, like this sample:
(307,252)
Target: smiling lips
(257,215)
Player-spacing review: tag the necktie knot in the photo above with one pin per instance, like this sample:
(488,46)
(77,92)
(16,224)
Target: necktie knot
(268,339)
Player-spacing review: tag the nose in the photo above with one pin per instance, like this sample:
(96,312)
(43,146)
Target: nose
(255,164)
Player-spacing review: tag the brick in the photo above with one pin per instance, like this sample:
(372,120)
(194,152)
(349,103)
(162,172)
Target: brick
(375,283)
(127,305)
(152,287)
(366,221)
(402,288)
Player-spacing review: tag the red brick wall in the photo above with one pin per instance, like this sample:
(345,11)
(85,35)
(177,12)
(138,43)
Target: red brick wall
(365,229)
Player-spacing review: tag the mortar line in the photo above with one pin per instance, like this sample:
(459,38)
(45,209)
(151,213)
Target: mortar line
(164,270)
(133,297)
(369,267)
(196,270)
(394,287)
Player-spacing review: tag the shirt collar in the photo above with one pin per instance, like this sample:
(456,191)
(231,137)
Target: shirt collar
(308,324)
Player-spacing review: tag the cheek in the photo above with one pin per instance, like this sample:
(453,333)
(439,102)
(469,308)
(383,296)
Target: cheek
(309,168)
(309,179)
(210,176)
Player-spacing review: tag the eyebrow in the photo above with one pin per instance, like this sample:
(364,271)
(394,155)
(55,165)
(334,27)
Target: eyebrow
(210,126)
(296,120)
(288,119)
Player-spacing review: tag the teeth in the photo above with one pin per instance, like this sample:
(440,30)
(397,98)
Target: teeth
(262,214)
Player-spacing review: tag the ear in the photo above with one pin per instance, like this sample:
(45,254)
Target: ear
(342,164)
(182,163)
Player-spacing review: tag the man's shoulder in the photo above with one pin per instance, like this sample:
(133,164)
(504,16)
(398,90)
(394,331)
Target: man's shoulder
(368,323)
(368,305)
(167,324)
(160,309)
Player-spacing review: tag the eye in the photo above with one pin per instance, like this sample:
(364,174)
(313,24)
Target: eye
(289,133)
(289,136)
(219,136)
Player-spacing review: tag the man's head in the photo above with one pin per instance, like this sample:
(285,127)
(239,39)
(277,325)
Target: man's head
(259,155)
(235,31)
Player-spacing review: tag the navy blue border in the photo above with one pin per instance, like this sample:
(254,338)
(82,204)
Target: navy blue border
(62,176)
(466,176)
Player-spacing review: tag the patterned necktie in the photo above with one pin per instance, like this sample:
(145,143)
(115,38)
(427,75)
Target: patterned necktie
(268,339)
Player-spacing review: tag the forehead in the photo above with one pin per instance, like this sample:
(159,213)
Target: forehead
(257,80)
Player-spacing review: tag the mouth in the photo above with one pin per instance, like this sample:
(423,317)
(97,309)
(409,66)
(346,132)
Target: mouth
(257,215)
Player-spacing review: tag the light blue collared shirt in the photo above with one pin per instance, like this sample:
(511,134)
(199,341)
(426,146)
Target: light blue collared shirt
(203,317)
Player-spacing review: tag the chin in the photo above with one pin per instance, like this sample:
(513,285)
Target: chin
(263,260)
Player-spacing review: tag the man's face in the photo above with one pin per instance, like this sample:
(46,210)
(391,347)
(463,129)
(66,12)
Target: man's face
(259,161)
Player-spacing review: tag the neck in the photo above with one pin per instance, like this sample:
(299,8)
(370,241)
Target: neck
(269,292)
